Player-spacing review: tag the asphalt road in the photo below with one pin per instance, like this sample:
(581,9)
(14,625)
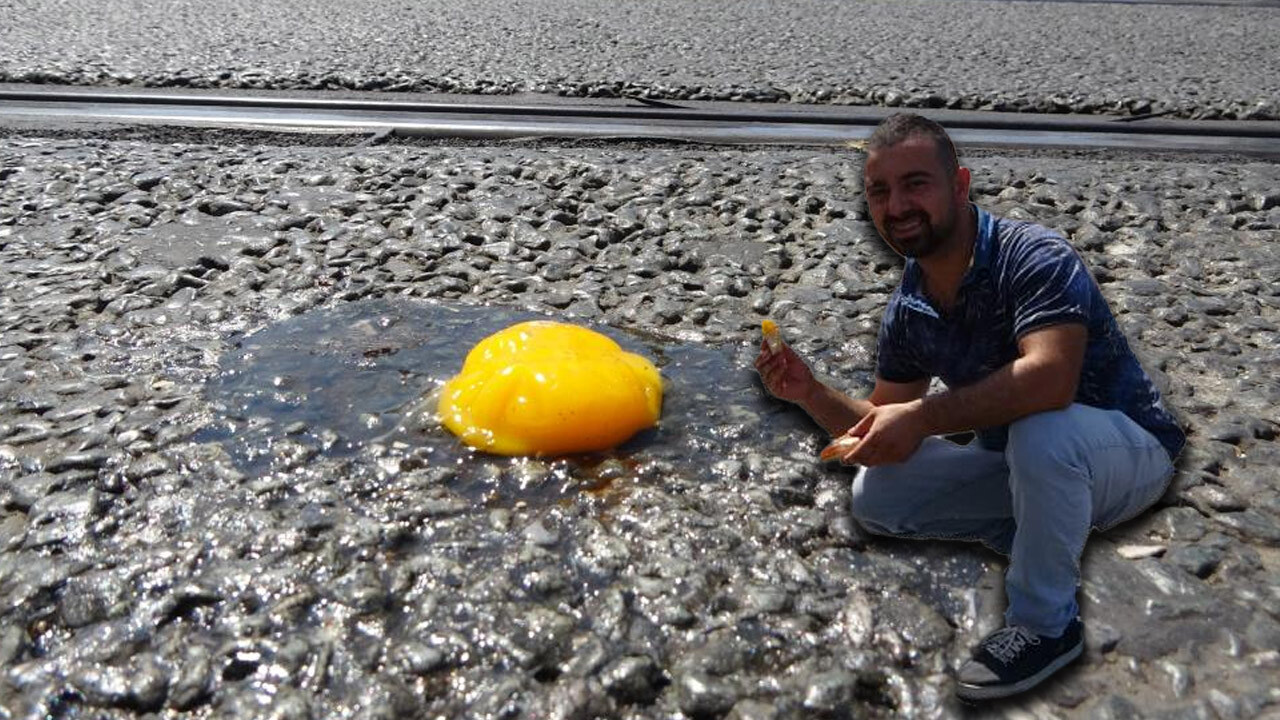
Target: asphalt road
(218,499)
(1201,61)
(146,569)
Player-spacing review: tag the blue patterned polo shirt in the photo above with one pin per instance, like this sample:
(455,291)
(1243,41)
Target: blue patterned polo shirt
(1023,277)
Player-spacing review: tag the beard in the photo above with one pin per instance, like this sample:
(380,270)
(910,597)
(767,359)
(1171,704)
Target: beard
(916,235)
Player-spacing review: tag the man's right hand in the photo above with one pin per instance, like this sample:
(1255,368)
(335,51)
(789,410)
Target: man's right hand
(784,374)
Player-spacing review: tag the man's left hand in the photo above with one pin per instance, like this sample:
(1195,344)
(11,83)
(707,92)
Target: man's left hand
(889,434)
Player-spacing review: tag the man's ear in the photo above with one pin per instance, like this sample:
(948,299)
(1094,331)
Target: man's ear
(962,180)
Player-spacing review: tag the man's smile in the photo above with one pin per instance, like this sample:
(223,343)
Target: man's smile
(907,225)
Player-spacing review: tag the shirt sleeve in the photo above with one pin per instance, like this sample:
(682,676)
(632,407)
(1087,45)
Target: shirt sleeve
(1049,285)
(895,359)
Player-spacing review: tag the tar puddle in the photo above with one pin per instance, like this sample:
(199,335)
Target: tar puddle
(330,414)
(336,383)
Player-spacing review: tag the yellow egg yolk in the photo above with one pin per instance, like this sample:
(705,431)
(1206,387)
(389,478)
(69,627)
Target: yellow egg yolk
(548,388)
(771,334)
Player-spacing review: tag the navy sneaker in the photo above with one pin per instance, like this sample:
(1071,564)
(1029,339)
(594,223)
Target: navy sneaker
(1014,660)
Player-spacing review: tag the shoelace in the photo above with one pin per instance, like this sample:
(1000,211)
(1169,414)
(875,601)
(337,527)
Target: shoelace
(1005,644)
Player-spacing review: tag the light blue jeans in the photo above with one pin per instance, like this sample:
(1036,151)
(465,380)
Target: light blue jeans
(1062,473)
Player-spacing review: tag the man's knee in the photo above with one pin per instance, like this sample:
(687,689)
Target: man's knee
(875,503)
(1049,457)
(1048,439)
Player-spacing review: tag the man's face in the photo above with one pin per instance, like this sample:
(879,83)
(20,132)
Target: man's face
(914,203)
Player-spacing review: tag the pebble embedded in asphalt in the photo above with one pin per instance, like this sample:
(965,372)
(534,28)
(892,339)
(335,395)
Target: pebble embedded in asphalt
(143,569)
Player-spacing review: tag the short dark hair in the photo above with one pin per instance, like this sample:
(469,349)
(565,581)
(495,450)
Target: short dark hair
(900,126)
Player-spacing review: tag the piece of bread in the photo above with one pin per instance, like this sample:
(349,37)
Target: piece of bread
(838,448)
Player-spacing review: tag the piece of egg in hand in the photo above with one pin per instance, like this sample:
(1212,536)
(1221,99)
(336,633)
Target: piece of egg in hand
(772,337)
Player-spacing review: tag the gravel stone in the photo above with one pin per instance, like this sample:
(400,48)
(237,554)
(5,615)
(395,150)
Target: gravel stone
(1254,525)
(704,695)
(830,692)
(633,679)
(1198,560)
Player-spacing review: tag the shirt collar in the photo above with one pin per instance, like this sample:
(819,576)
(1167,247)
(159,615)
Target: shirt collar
(984,242)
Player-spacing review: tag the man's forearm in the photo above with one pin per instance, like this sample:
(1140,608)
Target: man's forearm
(835,411)
(1014,391)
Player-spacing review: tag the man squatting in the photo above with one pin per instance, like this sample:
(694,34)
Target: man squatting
(1070,432)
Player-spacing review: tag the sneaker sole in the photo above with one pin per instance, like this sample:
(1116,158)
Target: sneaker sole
(994,692)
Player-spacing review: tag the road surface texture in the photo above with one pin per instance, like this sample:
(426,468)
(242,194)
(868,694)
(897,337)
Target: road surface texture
(222,492)
(1188,60)
(220,496)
